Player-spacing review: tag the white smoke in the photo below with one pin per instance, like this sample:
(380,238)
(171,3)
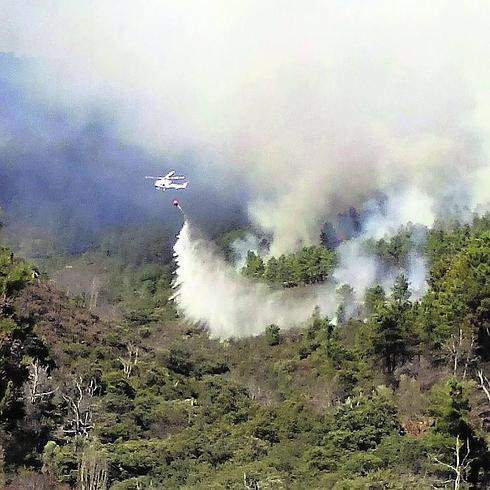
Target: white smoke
(361,269)
(313,107)
(417,275)
(356,268)
(241,247)
(402,206)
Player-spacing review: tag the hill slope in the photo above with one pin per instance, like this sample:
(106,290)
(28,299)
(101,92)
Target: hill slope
(150,402)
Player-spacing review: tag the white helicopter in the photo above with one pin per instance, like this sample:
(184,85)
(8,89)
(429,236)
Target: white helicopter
(169,181)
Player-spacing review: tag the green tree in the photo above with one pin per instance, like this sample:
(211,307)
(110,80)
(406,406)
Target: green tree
(460,288)
(254,266)
(450,407)
(394,252)
(313,264)
(179,361)
(400,292)
(394,336)
(272,271)
(15,274)
(346,300)
(362,424)
(389,342)
(374,298)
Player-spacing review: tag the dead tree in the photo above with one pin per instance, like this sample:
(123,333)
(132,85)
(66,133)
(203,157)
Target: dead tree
(139,485)
(469,357)
(131,360)
(454,347)
(94,294)
(459,347)
(80,405)
(484,383)
(460,466)
(250,483)
(38,383)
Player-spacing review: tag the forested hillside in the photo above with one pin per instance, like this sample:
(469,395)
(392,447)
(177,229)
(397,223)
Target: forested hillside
(393,396)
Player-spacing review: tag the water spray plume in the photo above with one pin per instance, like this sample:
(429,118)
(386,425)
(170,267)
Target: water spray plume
(210,292)
(177,205)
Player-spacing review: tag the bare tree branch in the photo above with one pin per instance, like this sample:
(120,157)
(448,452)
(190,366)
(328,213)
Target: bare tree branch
(131,360)
(461,464)
(80,406)
(484,383)
(38,382)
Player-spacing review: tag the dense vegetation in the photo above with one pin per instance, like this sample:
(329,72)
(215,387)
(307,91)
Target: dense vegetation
(308,266)
(386,400)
